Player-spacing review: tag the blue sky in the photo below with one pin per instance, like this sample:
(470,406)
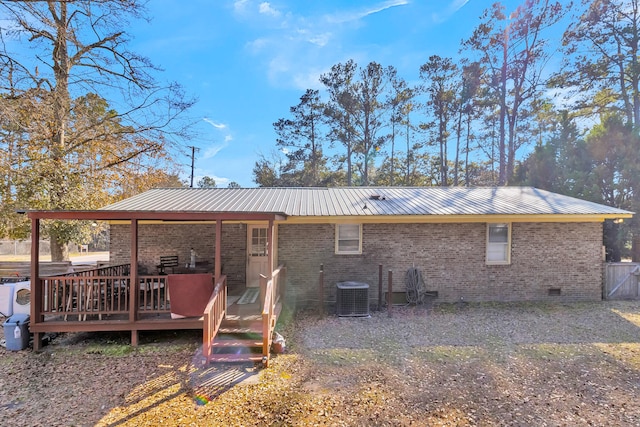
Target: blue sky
(248,61)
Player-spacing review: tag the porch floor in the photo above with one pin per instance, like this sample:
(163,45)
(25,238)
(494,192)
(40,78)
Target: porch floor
(242,312)
(244,316)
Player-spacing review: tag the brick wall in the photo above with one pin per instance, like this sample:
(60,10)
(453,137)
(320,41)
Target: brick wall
(234,253)
(155,240)
(451,258)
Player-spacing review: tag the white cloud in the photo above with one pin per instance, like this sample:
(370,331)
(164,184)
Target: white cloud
(457,4)
(277,66)
(240,6)
(320,39)
(356,15)
(215,125)
(564,98)
(309,78)
(213,150)
(228,137)
(265,8)
(220,181)
(257,44)
(452,8)
(297,49)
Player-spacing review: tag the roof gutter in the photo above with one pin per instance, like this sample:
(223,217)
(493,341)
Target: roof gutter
(157,215)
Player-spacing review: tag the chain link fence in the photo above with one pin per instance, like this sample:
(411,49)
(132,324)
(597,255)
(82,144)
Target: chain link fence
(22,247)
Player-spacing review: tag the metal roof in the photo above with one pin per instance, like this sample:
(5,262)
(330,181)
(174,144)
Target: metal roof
(365,201)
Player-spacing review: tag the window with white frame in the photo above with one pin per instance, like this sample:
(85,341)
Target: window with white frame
(498,243)
(348,238)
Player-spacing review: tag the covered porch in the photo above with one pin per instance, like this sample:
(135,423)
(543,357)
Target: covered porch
(117,297)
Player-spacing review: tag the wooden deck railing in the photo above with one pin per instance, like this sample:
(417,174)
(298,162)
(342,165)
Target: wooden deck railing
(153,295)
(270,293)
(214,313)
(100,292)
(110,270)
(82,296)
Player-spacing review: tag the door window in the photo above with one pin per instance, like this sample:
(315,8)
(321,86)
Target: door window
(258,242)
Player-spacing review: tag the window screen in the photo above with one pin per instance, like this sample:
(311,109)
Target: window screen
(348,239)
(498,244)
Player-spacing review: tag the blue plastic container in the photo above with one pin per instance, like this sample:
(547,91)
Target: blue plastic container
(16,332)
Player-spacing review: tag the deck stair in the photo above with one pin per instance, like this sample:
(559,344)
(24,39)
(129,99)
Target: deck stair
(243,331)
(238,341)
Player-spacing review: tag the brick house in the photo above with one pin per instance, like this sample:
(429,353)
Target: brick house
(476,244)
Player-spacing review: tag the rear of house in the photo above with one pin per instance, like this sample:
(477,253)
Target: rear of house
(475,244)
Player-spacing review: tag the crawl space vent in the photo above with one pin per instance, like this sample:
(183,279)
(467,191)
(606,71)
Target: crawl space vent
(352,299)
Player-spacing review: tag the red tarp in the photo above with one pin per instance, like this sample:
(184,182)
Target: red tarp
(190,293)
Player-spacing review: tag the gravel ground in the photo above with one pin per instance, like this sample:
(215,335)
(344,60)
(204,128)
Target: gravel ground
(450,365)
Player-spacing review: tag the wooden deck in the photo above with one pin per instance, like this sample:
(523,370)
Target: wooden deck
(248,315)
(104,300)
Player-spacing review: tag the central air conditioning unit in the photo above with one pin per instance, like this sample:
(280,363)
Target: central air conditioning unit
(352,299)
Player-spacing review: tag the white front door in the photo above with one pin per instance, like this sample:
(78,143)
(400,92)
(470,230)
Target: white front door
(257,254)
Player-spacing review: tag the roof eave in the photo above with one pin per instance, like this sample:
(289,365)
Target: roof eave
(461,218)
(107,215)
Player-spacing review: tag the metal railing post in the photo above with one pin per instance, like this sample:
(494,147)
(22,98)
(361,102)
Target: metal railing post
(321,291)
(390,294)
(379,287)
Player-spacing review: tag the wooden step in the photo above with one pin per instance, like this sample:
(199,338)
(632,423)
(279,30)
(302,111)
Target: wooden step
(240,328)
(236,342)
(236,358)
(239,340)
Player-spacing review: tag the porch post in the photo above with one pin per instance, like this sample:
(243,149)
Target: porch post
(270,247)
(35,285)
(218,256)
(133,284)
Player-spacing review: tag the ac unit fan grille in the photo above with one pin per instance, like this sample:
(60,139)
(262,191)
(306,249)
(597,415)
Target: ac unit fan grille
(352,299)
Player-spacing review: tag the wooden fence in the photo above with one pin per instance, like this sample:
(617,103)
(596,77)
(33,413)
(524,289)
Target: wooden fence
(621,281)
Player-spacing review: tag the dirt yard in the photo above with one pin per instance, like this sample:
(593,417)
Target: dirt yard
(516,364)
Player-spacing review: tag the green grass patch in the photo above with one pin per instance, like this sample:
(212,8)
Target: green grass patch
(118,344)
(286,318)
(111,350)
(627,353)
(553,351)
(344,356)
(449,353)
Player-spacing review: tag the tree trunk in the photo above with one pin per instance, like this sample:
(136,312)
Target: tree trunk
(511,146)
(635,249)
(443,153)
(458,135)
(349,167)
(393,146)
(466,155)
(59,250)
(408,171)
(611,243)
(502,175)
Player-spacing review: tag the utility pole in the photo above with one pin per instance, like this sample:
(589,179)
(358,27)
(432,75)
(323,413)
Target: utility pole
(193,156)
